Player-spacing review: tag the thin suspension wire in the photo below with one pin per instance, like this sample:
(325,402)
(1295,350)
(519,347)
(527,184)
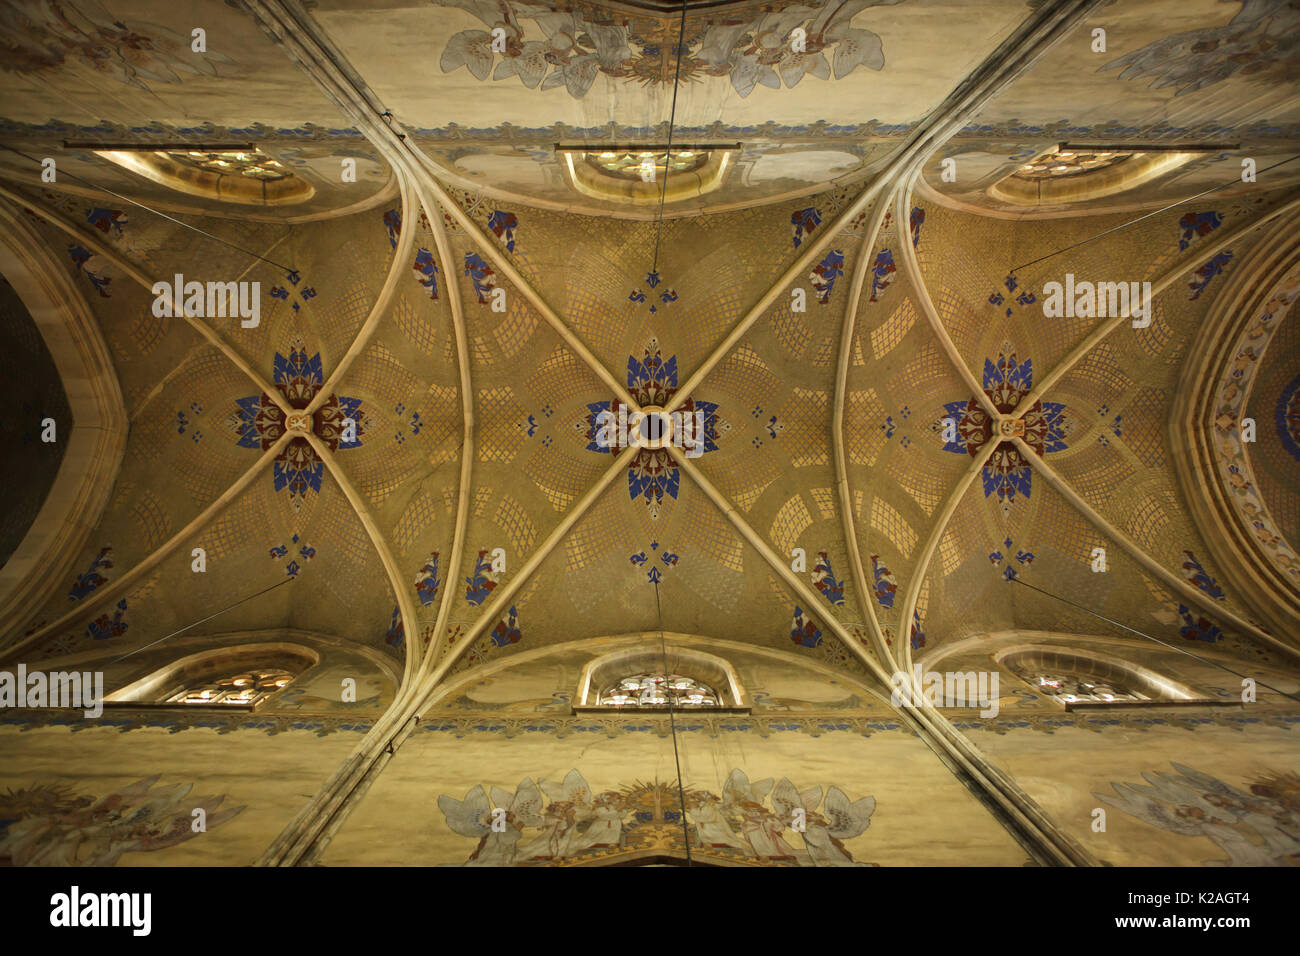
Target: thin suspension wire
(672,120)
(672,723)
(1125,225)
(198,622)
(1175,647)
(156,212)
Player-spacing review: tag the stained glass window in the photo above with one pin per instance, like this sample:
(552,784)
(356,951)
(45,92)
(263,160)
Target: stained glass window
(246,688)
(252,163)
(1067,163)
(656,690)
(636,164)
(1073,688)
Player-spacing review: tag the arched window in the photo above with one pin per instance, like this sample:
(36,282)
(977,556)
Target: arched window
(636,174)
(244,175)
(248,687)
(654,679)
(1092,678)
(1069,688)
(637,164)
(240,675)
(658,690)
(1064,175)
(252,163)
(1064,163)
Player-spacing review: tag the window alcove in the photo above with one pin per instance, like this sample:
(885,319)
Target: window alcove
(644,680)
(240,677)
(1095,680)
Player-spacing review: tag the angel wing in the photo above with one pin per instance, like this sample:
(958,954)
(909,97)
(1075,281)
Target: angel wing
(163,802)
(735,788)
(777,25)
(610,42)
(526,805)
(1208,784)
(1254,38)
(811,798)
(738,787)
(785,799)
(719,41)
(574,789)
(849,818)
(1173,791)
(466,816)
(841,13)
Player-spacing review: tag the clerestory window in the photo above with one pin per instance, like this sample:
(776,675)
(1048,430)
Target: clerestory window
(658,690)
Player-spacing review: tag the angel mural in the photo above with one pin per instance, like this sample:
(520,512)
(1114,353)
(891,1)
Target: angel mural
(1262,40)
(45,34)
(824,834)
(52,825)
(570,824)
(580,44)
(1256,828)
(498,839)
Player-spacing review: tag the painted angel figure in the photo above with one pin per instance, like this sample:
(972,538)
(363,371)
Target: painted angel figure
(1276,824)
(711,828)
(39,35)
(759,826)
(570,805)
(843,819)
(473,817)
(1171,805)
(769,59)
(1260,40)
(606,827)
(57,829)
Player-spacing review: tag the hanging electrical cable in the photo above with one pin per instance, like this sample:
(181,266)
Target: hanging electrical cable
(672,122)
(201,620)
(156,212)
(672,723)
(1125,225)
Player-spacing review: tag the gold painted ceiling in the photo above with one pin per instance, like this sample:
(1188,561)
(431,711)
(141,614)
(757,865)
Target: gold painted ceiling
(923,300)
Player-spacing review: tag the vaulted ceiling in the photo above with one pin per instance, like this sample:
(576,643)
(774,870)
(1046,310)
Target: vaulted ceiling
(922,300)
